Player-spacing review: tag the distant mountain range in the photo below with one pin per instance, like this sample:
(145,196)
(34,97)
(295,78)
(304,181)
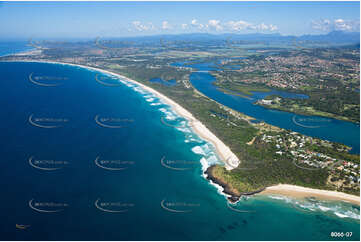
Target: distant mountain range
(332,38)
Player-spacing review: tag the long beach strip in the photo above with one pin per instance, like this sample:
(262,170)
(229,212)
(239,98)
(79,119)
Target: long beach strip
(302,192)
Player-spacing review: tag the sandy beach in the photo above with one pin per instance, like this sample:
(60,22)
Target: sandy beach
(302,192)
(224,152)
(231,161)
(30,52)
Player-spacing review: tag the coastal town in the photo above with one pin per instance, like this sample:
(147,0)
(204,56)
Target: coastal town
(301,150)
(327,78)
(299,69)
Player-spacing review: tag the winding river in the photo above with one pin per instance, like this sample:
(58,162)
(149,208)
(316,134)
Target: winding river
(325,128)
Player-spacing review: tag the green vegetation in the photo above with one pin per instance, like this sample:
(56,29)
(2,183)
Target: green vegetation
(340,104)
(242,88)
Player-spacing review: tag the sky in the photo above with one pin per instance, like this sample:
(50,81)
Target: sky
(120,19)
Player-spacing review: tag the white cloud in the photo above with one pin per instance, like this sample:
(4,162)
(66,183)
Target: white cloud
(341,24)
(211,26)
(215,24)
(197,25)
(262,26)
(166,25)
(143,27)
(244,25)
(184,26)
(238,25)
(273,27)
(194,22)
(336,24)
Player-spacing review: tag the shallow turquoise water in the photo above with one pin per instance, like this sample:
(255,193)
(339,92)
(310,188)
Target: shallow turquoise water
(142,200)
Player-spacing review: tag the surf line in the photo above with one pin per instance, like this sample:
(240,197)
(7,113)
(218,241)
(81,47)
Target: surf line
(171,125)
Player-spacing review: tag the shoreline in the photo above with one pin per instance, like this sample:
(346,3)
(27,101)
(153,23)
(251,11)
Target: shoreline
(303,192)
(22,53)
(227,156)
(27,52)
(224,152)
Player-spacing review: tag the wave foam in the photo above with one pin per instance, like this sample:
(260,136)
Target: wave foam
(341,211)
(198,150)
(156,104)
(169,114)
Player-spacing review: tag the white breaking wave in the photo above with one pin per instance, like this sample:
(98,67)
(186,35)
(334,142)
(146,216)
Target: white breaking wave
(341,215)
(342,211)
(196,140)
(212,160)
(198,150)
(130,85)
(348,214)
(193,139)
(169,114)
(205,166)
(283,198)
(324,209)
(207,149)
(138,89)
(184,129)
(156,104)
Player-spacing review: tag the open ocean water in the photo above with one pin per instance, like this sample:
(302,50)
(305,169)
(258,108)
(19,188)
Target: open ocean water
(86,156)
(13,47)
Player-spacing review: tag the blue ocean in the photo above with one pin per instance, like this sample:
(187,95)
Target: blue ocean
(13,47)
(86,156)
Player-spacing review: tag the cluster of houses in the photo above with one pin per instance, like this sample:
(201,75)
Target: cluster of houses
(298,147)
(294,72)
